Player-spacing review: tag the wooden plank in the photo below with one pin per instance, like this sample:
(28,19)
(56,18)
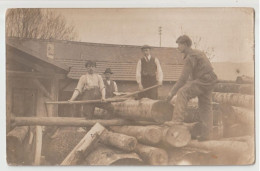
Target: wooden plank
(84,146)
(69,121)
(38,146)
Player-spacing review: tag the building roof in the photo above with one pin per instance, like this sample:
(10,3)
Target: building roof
(122,70)
(21,46)
(122,59)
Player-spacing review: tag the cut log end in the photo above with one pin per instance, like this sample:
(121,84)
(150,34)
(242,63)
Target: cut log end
(153,135)
(162,111)
(177,136)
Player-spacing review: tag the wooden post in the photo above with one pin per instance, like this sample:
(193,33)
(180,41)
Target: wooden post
(120,141)
(150,135)
(84,145)
(152,155)
(38,147)
(55,95)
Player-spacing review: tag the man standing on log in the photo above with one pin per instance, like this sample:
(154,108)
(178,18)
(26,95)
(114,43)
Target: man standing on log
(196,80)
(110,85)
(91,87)
(148,73)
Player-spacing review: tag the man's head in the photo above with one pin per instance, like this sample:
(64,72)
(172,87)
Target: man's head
(90,65)
(184,42)
(108,73)
(146,50)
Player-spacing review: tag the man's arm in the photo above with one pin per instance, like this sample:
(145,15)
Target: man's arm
(78,89)
(186,71)
(138,75)
(159,73)
(102,87)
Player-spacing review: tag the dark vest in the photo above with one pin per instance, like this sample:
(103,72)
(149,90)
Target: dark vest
(148,68)
(109,88)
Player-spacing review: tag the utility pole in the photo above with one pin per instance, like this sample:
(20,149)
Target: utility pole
(160,34)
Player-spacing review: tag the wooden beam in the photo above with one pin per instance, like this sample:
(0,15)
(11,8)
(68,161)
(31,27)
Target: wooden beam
(84,146)
(54,92)
(71,121)
(87,101)
(22,74)
(42,88)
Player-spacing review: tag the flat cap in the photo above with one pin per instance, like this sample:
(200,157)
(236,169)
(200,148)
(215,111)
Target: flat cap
(184,39)
(146,47)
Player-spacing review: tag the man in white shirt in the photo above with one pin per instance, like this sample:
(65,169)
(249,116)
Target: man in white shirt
(91,87)
(110,85)
(148,73)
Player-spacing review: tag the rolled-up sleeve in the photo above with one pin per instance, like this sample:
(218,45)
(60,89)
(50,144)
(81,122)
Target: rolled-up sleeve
(80,84)
(138,72)
(115,85)
(159,73)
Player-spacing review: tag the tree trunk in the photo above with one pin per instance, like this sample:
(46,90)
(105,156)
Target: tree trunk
(176,136)
(150,135)
(38,146)
(152,155)
(234,99)
(144,109)
(70,121)
(84,146)
(234,88)
(120,141)
(104,156)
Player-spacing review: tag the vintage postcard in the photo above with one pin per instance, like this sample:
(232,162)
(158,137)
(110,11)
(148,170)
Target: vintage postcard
(130,86)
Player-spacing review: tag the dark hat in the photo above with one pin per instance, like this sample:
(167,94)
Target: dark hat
(108,70)
(145,47)
(184,39)
(90,63)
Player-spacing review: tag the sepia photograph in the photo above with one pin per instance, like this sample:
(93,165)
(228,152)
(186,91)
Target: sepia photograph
(130,86)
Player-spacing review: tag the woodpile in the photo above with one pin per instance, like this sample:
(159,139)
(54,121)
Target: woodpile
(138,135)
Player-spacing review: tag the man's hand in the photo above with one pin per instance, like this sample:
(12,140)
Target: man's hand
(70,100)
(160,83)
(169,97)
(141,87)
(103,99)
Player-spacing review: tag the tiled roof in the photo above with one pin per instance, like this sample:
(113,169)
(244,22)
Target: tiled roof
(121,70)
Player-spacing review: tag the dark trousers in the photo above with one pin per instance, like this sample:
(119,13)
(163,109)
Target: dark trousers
(203,91)
(148,81)
(87,110)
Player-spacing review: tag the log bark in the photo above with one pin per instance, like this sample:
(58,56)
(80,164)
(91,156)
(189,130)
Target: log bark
(14,143)
(150,135)
(120,141)
(234,88)
(244,115)
(69,121)
(176,136)
(152,155)
(144,109)
(104,156)
(234,99)
(84,146)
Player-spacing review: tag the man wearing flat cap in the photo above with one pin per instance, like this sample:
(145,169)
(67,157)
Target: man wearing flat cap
(110,85)
(148,73)
(196,80)
(91,87)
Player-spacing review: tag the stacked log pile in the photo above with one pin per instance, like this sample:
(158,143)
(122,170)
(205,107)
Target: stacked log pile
(139,136)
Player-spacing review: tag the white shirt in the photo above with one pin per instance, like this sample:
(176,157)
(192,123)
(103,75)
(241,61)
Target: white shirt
(159,73)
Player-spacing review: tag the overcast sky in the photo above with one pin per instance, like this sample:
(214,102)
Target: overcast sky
(228,30)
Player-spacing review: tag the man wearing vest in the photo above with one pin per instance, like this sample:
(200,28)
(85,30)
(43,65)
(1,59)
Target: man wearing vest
(148,73)
(196,80)
(110,85)
(91,87)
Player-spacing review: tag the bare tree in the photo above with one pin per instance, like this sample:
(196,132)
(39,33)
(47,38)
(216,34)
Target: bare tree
(39,24)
